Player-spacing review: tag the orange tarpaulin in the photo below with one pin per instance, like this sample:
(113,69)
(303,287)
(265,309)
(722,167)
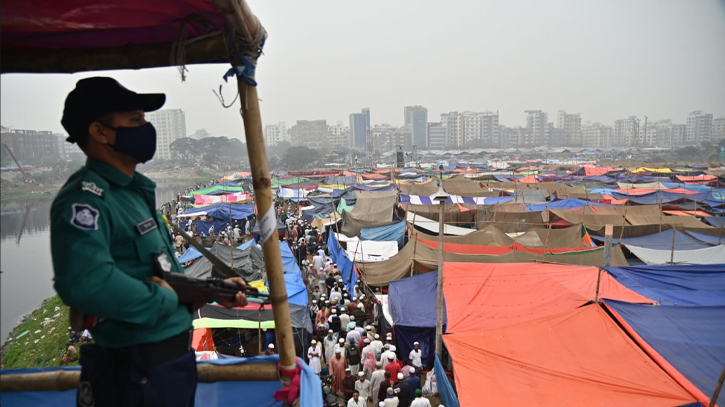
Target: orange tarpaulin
(698,178)
(681,191)
(576,358)
(636,191)
(596,171)
(202,340)
(462,248)
(531,179)
(490,295)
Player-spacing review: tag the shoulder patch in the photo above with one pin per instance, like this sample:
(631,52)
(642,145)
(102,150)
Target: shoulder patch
(91,187)
(84,217)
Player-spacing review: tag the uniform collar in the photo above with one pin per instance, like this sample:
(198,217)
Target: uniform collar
(117,176)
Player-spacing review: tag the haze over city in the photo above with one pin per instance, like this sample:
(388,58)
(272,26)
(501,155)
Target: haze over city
(325,60)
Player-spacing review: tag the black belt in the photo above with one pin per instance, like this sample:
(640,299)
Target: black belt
(151,354)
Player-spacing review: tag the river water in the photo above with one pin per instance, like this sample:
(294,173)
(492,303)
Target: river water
(27,270)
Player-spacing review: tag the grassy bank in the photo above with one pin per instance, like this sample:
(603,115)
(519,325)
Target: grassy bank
(43,344)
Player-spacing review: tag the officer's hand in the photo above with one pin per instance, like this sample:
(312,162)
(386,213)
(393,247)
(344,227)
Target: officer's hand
(159,281)
(240,300)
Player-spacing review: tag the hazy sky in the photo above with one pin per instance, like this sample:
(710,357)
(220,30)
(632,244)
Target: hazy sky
(326,59)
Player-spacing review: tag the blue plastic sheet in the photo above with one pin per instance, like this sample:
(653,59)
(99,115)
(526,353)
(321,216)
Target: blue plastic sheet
(716,221)
(675,285)
(203,226)
(218,394)
(394,232)
(690,338)
(569,203)
(414,310)
(445,390)
(344,264)
(661,241)
(221,210)
(704,237)
(190,254)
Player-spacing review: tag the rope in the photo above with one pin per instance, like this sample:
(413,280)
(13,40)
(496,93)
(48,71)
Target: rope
(178,48)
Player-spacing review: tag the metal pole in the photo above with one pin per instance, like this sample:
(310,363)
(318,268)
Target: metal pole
(715,394)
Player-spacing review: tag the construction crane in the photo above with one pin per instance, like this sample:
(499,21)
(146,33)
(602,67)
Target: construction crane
(20,167)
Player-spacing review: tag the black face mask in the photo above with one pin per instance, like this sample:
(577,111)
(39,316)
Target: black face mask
(136,142)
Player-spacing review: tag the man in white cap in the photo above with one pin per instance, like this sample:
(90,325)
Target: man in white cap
(354,334)
(367,347)
(378,344)
(340,346)
(376,378)
(363,386)
(393,368)
(415,356)
(384,356)
(270,350)
(329,343)
(403,389)
(337,369)
(313,355)
(344,317)
(413,381)
(314,309)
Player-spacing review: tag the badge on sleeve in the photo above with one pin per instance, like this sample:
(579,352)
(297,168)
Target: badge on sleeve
(85,217)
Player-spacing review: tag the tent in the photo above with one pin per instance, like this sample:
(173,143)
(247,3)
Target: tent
(248,263)
(433,226)
(486,296)
(394,232)
(578,357)
(709,255)
(685,341)
(413,306)
(218,188)
(221,211)
(675,285)
(344,264)
(661,241)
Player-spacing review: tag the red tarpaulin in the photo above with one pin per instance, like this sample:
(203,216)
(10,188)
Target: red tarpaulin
(576,358)
(75,24)
(484,296)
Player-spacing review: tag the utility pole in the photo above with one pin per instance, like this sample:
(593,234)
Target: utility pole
(644,137)
(441,197)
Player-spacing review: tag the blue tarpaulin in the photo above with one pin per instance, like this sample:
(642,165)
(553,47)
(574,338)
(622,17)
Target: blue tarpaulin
(413,306)
(190,254)
(660,241)
(716,221)
(690,338)
(217,394)
(344,264)
(675,285)
(707,238)
(569,203)
(222,211)
(203,226)
(394,232)
(445,390)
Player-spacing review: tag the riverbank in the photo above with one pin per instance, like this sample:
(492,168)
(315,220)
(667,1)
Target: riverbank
(38,341)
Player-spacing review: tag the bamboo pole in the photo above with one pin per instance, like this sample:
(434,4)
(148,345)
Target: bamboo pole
(716,393)
(241,18)
(61,380)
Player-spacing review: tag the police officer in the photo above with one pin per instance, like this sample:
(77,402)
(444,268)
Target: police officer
(109,246)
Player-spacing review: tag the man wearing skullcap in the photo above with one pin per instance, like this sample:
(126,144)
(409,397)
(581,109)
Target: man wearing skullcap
(415,356)
(392,399)
(363,386)
(413,381)
(393,368)
(348,384)
(313,355)
(376,380)
(405,396)
(329,344)
(338,364)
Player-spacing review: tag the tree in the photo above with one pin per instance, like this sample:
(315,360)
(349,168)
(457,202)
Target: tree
(297,158)
(186,148)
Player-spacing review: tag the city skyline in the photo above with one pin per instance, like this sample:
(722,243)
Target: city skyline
(607,60)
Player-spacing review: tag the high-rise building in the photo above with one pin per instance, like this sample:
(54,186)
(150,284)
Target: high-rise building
(572,124)
(699,127)
(359,129)
(596,136)
(275,133)
(436,135)
(537,124)
(338,136)
(31,146)
(556,136)
(490,131)
(718,130)
(453,123)
(309,133)
(170,125)
(677,134)
(416,119)
(626,132)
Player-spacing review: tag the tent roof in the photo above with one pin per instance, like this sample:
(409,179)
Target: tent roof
(688,338)
(570,358)
(485,296)
(412,301)
(675,285)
